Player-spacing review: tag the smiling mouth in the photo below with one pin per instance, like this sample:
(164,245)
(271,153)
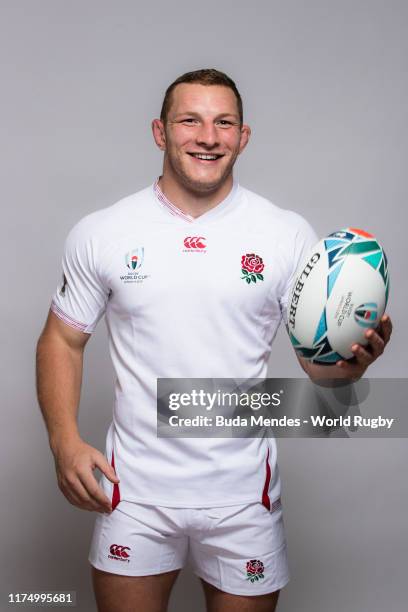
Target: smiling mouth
(206,157)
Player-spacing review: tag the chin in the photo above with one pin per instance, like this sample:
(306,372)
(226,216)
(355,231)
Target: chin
(203,184)
(204,187)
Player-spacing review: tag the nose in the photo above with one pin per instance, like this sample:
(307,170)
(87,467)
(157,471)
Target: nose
(207,135)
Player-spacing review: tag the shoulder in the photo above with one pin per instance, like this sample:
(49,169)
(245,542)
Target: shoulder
(265,216)
(103,223)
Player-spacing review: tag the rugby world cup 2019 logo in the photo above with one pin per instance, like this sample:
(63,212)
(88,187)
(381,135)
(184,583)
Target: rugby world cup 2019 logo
(366,314)
(134,261)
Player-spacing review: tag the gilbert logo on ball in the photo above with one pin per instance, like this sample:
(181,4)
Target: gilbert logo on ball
(340,291)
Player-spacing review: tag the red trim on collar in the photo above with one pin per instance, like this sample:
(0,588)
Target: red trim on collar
(170,207)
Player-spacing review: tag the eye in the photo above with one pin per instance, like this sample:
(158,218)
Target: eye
(188,120)
(224,123)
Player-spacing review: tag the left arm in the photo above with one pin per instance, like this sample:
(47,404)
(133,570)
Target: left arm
(354,368)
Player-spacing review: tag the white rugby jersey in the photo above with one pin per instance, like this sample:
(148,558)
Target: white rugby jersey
(178,305)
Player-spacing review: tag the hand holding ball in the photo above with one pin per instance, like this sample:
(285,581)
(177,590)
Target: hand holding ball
(340,291)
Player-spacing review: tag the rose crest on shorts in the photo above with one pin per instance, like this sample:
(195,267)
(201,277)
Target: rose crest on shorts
(251,266)
(255,570)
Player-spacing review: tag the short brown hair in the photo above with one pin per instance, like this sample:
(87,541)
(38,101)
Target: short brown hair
(205,76)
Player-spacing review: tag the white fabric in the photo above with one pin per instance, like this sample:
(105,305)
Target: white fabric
(182,313)
(239,549)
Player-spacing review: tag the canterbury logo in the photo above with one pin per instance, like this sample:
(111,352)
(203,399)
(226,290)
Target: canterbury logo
(194,242)
(119,551)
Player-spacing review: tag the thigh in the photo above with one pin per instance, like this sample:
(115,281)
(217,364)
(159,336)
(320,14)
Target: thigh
(115,593)
(218,601)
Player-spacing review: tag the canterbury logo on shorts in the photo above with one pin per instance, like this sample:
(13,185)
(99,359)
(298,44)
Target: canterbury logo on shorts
(119,552)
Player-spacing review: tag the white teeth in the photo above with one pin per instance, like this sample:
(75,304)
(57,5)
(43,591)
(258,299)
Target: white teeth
(202,156)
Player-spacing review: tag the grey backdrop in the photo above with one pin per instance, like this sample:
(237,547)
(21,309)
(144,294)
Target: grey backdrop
(325,91)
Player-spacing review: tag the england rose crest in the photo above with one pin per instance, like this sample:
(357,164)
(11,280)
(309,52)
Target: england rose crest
(255,570)
(252,266)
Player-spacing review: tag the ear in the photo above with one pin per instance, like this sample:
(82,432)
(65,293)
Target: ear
(245,135)
(159,133)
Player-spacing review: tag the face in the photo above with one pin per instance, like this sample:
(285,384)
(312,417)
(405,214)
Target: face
(202,137)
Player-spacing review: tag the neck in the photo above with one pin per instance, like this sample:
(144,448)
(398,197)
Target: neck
(190,202)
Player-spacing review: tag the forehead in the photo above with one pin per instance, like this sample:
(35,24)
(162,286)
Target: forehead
(204,99)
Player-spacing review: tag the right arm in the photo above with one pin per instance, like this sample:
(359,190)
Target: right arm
(60,352)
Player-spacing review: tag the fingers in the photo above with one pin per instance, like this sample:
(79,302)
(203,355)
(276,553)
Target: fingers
(357,364)
(75,465)
(106,469)
(94,492)
(73,489)
(375,346)
(351,368)
(385,328)
(366,355)
(377,341)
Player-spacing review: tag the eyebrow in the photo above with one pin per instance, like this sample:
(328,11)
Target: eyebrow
(220,116)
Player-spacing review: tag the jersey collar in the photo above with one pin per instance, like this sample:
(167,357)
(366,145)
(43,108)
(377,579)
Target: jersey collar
(176,212)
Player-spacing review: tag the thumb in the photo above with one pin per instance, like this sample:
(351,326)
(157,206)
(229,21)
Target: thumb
(106,469)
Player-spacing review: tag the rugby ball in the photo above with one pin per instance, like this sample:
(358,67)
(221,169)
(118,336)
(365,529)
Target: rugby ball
(340,291)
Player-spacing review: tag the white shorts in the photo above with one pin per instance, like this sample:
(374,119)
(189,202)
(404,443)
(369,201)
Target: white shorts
(239,549)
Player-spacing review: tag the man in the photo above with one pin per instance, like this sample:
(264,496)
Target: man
(165,266)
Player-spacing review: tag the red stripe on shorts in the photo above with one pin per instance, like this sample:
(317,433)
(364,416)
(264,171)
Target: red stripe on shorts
(116,491)
(265,497)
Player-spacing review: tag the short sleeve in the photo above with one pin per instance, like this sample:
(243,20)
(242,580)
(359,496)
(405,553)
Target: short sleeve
(80,299)
(304,241)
